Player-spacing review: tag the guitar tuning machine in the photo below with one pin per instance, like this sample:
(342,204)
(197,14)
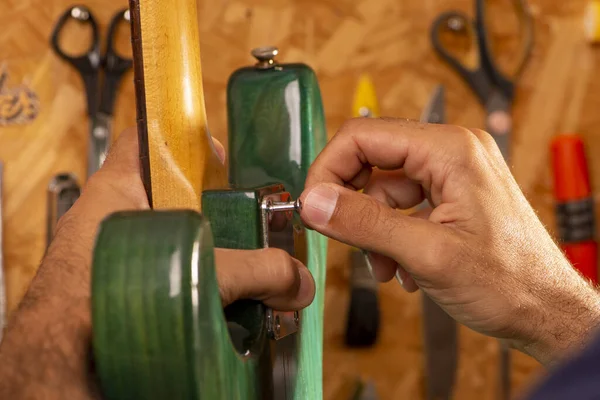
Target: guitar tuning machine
(265,57)
(283,206)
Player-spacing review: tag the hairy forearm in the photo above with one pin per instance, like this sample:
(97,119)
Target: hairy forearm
(567,320)
(46,349)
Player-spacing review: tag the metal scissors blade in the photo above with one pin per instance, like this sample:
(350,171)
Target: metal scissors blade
(441,350)
(435,110)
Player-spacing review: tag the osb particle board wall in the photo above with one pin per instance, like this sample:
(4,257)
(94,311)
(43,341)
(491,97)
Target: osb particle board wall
(559,91)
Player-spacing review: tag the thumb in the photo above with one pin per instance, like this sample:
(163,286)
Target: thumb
(362,221)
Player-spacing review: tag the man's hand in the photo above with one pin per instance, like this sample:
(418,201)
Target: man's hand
(481,252)
(45,351)
(269,275)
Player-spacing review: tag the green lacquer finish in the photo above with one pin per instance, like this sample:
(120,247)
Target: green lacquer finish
(235,216)
(276,130)
(159,330)
(276,126)
(236,224)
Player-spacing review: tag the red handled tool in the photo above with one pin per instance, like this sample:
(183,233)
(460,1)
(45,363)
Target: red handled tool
(574,204)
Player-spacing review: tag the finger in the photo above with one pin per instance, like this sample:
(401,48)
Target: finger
(488,142)
(361,221)
(269,275)
(219,149)
(405,280)
(428,153)
(382,143)
(383,267)
(395,189)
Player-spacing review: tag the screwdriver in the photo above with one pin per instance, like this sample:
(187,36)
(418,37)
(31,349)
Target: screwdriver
(574,204)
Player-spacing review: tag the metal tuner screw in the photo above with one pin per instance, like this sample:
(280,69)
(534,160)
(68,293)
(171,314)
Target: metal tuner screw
(265,57)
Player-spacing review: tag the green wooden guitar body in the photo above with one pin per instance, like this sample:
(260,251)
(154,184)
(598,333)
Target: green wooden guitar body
(159,329)
(276,130)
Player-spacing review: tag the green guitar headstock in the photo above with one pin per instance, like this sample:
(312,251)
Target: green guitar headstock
(276,123)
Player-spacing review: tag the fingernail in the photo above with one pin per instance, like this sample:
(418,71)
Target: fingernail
(306,291)
(399,277)
(405,280)
(319,204)
(220,150)
(369,262)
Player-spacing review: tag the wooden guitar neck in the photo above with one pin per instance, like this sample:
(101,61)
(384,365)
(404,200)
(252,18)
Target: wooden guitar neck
(176,151)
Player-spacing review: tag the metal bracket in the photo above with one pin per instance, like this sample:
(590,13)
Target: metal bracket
(279,323)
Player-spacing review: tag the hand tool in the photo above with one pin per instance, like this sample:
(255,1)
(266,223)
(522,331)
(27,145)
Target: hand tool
(63,191)
(3,309)
(362,325)
(493,86)
(101,94)
(574,204)
(365,98)
(440,331)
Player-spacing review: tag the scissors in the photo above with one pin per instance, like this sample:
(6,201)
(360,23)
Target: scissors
(494,88)
(100,99)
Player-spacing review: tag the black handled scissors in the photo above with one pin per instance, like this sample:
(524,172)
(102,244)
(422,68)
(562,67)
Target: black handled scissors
(495,89)
(100,99)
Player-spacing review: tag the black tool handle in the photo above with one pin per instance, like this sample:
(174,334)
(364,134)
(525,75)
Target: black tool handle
(476,77)
(115,65)
(576,221)
(505,83)
(87,63)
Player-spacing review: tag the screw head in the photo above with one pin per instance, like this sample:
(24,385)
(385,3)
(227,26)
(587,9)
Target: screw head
(265,56)
(80,13)
(277,325)
(457,24)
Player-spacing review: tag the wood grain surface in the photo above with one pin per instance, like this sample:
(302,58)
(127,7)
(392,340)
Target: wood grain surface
(181,161)
(559,92)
